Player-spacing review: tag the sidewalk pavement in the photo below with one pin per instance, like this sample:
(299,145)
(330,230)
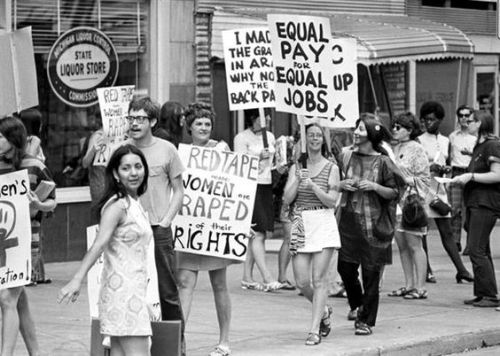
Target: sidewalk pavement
(277,323)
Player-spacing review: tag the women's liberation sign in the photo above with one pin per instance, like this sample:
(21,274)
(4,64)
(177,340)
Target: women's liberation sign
(312,70)
(15,230)
(249,68)
(113,102)
(219,194)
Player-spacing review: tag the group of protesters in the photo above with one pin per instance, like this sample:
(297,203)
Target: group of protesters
(356,190)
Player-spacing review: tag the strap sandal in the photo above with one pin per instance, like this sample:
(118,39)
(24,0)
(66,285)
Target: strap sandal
(313,339)
(363,329)
(44,281)
(272,286)
(416,294)
(401,292)
(220,350)
(325,326)
(286,285)
(251,285)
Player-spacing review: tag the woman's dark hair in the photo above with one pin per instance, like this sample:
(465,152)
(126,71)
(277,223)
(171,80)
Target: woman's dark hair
(487,123)
(171,114)
(32,120)
(430,107)
(252,114)
(196,111)
(14,131)
(376,131)
(325,152)
(409,122)
(114,187)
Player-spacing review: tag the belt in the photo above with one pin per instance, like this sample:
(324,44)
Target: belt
(459,169)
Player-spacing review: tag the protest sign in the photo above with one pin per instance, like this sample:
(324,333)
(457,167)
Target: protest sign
(219,194)
(249,68)
(19,88)
(113,102)
(15,230)
(94,279)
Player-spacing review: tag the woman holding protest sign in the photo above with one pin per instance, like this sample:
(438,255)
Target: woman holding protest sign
(199,123)
(123,238)
(250,141)
(14,301)
(371,186)
(312,194)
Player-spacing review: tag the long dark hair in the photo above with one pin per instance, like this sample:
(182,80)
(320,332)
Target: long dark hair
(487,123)
(325,152)
(14,131)
(171,114)
(376,131)
(114,187)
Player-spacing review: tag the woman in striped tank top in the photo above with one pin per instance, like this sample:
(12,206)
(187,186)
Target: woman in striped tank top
(314,188)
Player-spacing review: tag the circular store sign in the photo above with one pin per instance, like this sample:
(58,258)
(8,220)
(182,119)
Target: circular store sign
(81,60)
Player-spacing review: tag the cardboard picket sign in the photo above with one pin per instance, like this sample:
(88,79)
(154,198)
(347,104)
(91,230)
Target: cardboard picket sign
(249,68)
(219,195)
(15,230)
(316,76)
(94,280)
(19,89)
(166,339)
(113,103)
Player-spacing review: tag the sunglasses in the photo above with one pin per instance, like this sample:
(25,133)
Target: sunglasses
(398,127)
(463,115)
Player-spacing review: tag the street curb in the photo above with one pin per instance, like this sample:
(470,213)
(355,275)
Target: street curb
(443,345)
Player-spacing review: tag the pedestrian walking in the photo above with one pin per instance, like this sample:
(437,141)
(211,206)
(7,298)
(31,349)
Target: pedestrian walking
(311,190)
(250,141)
(16,313)
(199,124)
(370,188)
(437,151)
(482,199)
(123,238)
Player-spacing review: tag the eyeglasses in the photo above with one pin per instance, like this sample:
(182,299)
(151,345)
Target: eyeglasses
(460,116)
(398,127)
(138,119)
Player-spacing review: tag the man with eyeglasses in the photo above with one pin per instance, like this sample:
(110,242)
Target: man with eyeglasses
(461,145)
(162,199)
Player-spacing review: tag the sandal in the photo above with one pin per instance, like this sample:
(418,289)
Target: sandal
(325,324)
(286,285)
(313,339)
(401,292)
(44,281)
(251,285)
(220,351)
(363,329)
(272,286)
(416,294)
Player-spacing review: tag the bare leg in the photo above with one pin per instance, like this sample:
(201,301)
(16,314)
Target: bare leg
(284,253)
(320,264)
(302,270)
(248,264)
(27,325)
(259,255)
(406,260)
(222,304)
(418,258)
(186,281)
(10,319)
(133,345)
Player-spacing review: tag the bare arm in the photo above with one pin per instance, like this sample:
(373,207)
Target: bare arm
(175,201)
(291,187)
(109,220)
(491,177)
(95,142)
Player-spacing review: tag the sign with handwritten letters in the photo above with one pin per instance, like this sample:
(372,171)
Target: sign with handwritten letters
(15,230)
(316,75)
(94,279)
(113,102)
(219,194)
(249,68)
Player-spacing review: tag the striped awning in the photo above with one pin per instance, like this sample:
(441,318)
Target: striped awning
(381,38)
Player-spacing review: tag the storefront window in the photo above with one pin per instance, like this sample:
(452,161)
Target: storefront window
(66,128)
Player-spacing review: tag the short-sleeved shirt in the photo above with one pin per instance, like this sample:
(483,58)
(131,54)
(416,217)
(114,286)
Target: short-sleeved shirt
(250,143)
(434,144)
(478,194)
(164,166)
(460,141)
